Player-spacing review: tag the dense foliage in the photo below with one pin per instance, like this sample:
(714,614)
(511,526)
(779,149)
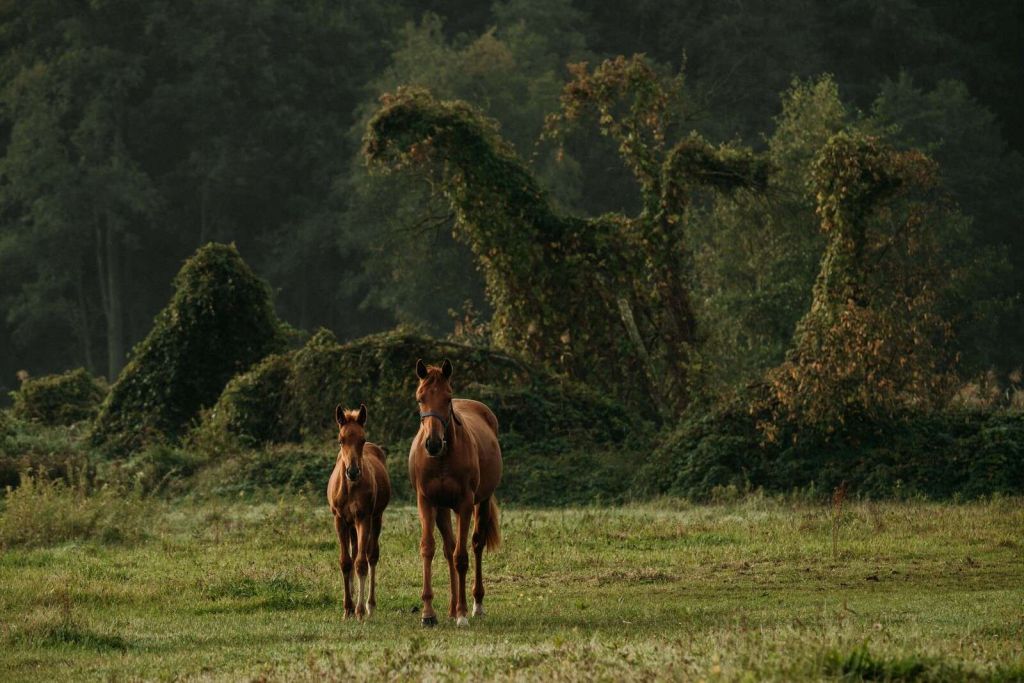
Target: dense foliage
(941,455)
(597,298)
(291,397)
(133,133)
(218,323)
(60,399)
(607,241)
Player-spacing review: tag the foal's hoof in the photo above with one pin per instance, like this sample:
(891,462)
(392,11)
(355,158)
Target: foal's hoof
(430,621)
(462,622)
(348,614)
(478,609)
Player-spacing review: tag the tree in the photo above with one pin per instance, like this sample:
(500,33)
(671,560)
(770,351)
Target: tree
(568,291)
(872,343)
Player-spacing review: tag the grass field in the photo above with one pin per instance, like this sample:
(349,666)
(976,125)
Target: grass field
(751,590)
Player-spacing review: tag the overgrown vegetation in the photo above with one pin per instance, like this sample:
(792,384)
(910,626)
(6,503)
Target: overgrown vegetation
(217,324)
(60,399)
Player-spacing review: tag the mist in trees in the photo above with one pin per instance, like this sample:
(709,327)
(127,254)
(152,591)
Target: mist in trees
(134,132)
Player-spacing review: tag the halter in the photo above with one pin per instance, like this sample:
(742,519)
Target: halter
(445,421)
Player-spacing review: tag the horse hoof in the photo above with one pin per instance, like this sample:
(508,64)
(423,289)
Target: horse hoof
(430,621)
(462,622)
(478,609)
(370,609)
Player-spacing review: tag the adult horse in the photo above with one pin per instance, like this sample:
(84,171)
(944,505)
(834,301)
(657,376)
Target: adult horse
(454,465)
(358,492)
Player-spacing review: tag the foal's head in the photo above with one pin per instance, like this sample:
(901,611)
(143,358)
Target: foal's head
(352,438)
(434,396)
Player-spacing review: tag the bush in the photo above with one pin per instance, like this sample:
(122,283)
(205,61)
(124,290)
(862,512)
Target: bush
(562,442)
(41,513)
(935,455)
(292,397)
(60,399)
(218,323)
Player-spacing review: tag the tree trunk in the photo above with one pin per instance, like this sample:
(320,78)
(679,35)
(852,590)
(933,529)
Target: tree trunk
(108,262)
(84,326)
(115,313)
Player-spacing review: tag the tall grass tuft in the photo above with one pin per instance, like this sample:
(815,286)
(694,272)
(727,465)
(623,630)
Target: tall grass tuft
(42,512)
(838,496)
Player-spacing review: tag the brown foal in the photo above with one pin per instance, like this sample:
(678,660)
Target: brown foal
(358,492)
(454,465)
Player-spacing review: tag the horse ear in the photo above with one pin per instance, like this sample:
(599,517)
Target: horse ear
(421,369)
(339,415)
(446,368)
(361,419)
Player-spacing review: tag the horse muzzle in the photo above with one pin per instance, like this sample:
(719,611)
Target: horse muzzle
(434,446)
(352,473)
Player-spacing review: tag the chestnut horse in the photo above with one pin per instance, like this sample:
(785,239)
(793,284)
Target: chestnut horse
(454,465)
(358,492)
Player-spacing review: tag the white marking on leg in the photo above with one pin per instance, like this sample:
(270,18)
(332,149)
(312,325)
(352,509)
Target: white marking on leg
(478,609)
(462,622)
(373,590)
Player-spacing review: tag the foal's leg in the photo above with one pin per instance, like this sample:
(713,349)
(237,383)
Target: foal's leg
(427,514)
(481,515)
(444,525)
(345,560)
(364,530)
(465,513)
(373,556)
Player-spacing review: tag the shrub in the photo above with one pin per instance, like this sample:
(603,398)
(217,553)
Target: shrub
(935,454)
(60,399)
(292,397)
(217,324)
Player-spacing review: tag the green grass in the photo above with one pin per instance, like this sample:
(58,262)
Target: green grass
(750,590)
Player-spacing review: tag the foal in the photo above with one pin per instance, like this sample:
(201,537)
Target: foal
(454,464)
(358,492)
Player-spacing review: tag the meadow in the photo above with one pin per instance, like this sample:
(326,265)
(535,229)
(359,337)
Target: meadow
(113,586)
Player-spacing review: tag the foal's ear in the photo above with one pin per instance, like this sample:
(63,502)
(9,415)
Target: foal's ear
(421,369)
(361,418)
(339,415)
(446,368)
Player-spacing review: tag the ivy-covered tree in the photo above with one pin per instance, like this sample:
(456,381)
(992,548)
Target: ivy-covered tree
(568,291)
(219,322)
(872,343)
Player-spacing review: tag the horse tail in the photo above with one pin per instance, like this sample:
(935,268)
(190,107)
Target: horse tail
(490,522)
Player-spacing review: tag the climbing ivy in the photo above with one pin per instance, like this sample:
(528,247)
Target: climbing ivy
(606,300)
(218,323)
(872,343)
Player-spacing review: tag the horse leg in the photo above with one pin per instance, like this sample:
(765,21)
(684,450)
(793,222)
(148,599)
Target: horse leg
(444,525)
(363,529)
(465,513)
(481,518)
(427,515)
(345,560)
(373,556)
